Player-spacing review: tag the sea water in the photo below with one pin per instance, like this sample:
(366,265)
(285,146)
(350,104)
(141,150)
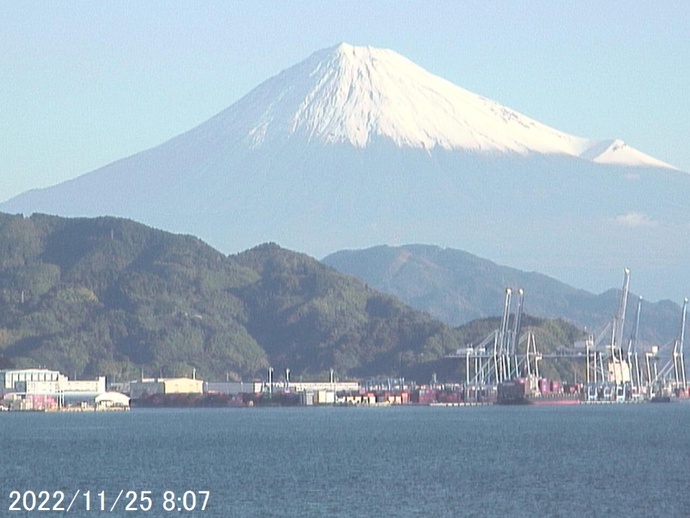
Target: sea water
(570,461)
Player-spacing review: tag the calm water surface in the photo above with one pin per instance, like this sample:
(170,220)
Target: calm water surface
(613,460)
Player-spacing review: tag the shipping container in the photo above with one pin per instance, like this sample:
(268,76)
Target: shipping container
(544,385)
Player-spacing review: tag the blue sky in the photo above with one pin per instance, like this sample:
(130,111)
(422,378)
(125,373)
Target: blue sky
(85,83)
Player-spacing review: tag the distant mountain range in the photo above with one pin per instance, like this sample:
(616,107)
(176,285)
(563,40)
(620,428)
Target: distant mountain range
(357,146)
(457,287)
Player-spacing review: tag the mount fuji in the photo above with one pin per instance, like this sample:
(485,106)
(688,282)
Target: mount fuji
(358,146)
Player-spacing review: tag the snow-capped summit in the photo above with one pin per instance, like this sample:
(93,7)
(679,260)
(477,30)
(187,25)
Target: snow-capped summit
(355,95)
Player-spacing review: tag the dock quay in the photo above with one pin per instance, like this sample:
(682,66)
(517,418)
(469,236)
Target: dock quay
(463,404)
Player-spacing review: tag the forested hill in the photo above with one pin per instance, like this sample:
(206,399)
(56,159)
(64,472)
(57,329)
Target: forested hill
(114,297)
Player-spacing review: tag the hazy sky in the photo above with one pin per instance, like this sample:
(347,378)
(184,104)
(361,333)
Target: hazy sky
(85,83)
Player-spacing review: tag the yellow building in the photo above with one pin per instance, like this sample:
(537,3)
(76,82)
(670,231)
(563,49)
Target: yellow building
(183,386)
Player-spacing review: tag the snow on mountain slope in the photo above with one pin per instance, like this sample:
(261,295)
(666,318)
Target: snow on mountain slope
(356,146)
(355,95)
(618,152)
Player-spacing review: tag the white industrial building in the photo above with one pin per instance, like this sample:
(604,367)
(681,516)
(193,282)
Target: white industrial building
(249,387)
(45,389)
(315,386)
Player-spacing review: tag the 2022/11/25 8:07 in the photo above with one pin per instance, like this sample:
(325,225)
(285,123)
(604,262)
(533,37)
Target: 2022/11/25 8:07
(131,500)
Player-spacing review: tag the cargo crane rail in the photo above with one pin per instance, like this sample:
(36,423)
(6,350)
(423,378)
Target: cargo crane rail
(615,370)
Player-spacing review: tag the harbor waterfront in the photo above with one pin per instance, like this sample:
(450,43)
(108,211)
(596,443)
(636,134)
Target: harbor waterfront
(504,368)
(403,461)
